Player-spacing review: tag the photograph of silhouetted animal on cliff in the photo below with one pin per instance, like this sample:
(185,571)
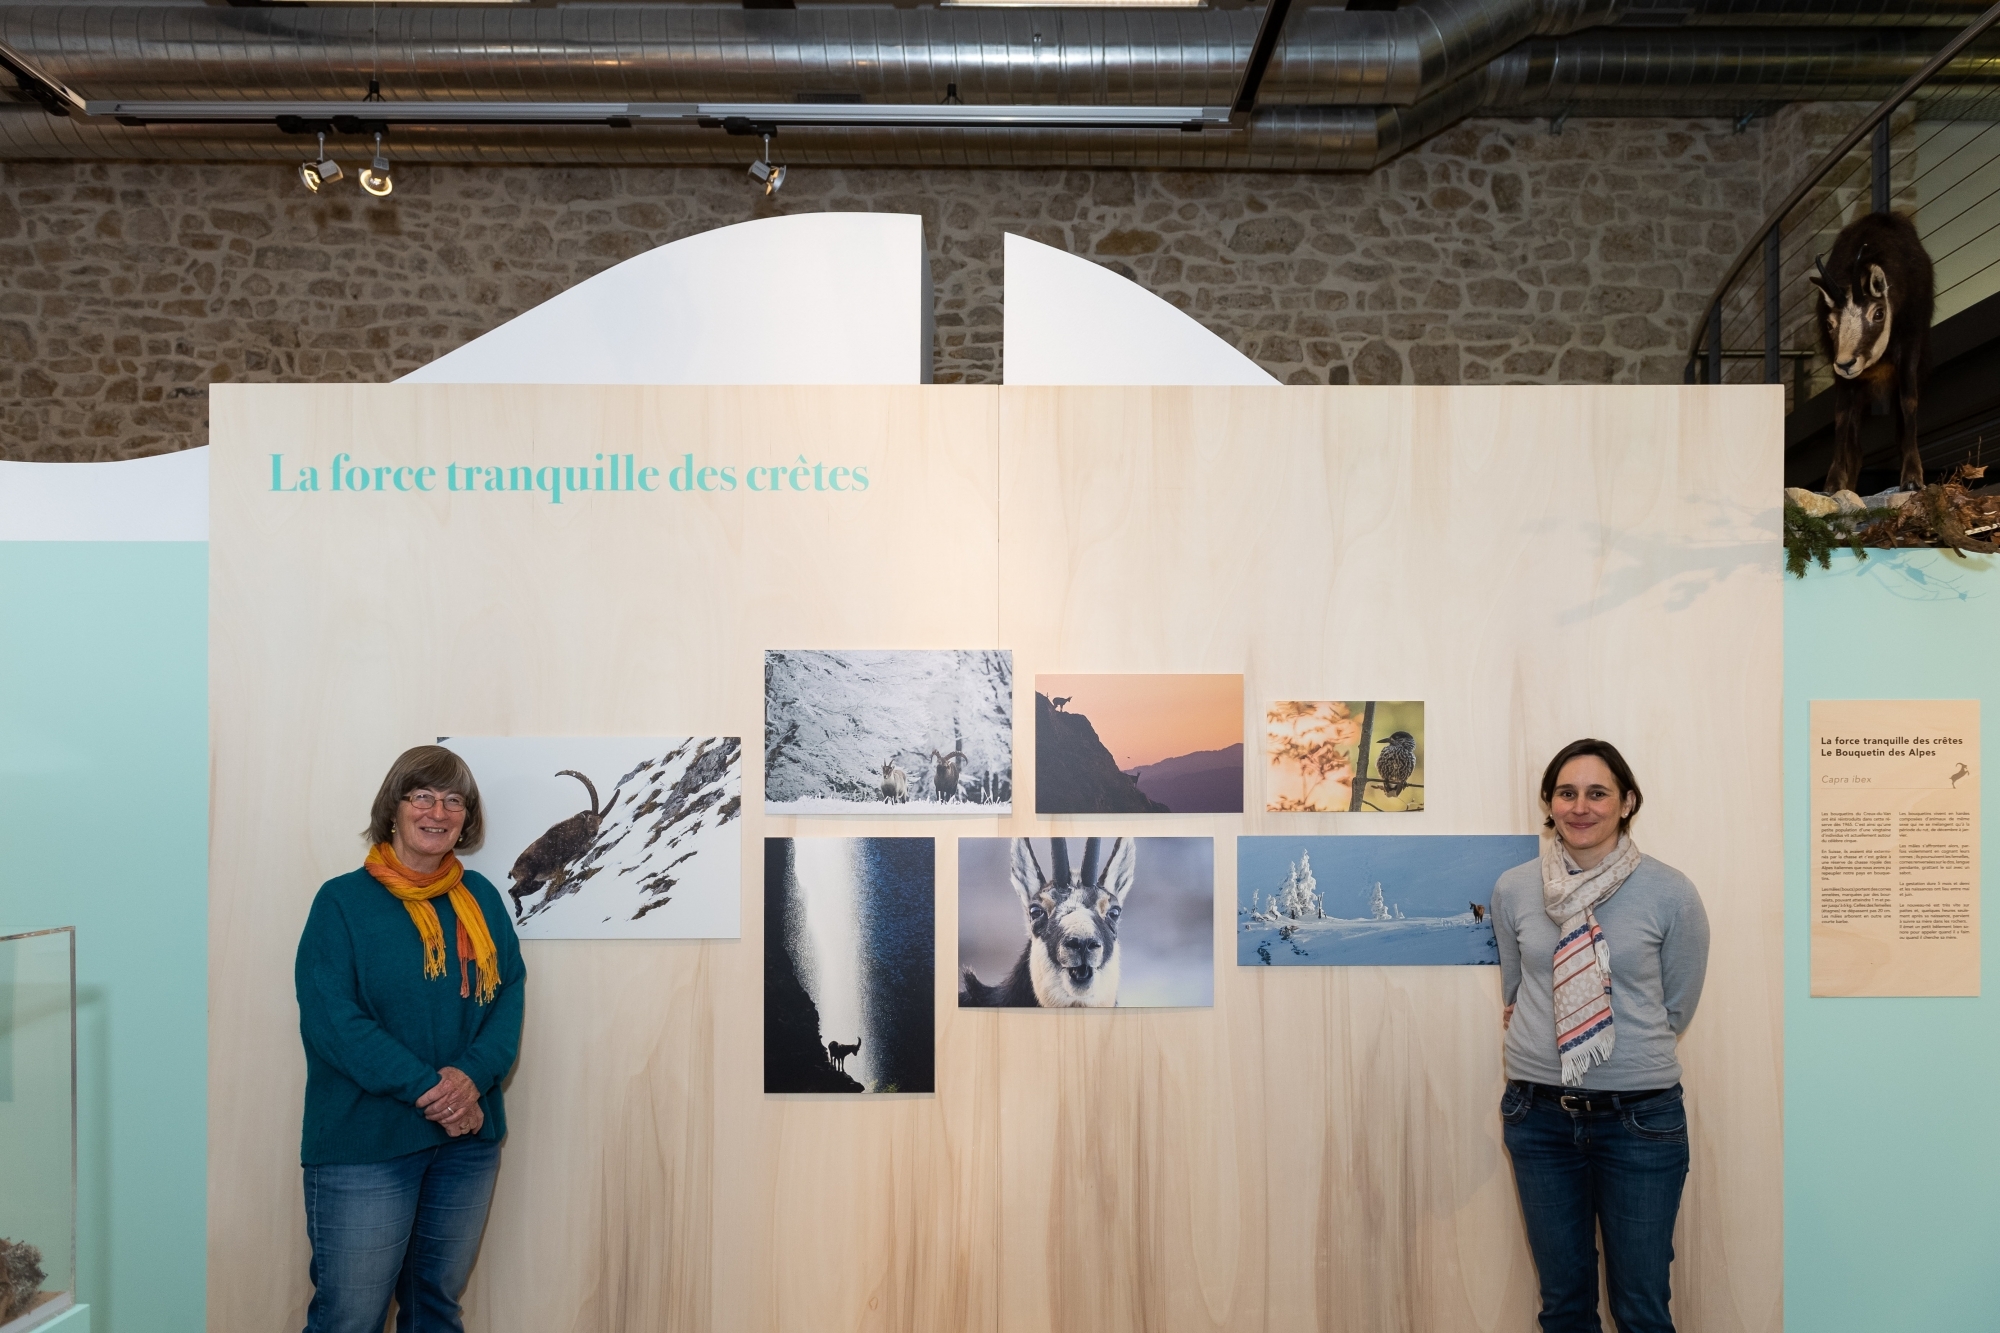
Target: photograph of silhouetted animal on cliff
(1873,300)
(1138,744)
(849,945)
(923,731)
(1086,923)
(599,837)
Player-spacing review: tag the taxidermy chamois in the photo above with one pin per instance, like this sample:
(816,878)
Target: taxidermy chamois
(546,856)
(836,1053)
(1875,297)
(895,782)
(945,776)
(1071,959)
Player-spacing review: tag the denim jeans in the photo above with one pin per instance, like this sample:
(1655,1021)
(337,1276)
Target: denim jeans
(1617,1169)
(407,1227)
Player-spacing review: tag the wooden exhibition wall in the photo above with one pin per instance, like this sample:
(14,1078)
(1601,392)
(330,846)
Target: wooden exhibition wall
(1322,1148)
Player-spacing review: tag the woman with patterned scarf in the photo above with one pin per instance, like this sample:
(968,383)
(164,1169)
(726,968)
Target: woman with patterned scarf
(404,1057)
(1602,955)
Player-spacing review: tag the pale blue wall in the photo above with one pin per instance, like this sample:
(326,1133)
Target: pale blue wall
(1892,1107)
(104,826)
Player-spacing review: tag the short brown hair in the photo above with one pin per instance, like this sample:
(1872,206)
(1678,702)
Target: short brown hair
(1621,773)
(435,768)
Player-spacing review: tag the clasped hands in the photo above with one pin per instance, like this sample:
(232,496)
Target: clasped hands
(453,1104)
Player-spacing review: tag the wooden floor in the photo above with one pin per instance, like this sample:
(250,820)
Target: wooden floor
(1321,1149)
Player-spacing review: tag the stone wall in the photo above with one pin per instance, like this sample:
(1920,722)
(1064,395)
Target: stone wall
(1496,253)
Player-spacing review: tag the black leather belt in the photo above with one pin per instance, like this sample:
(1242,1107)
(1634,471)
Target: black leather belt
(1580,1101)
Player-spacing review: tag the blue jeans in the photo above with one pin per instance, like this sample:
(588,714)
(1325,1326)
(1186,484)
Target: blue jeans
(1619,1169)
(408,1227)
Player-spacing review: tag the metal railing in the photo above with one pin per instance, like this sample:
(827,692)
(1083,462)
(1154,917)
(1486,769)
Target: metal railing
(1930,152)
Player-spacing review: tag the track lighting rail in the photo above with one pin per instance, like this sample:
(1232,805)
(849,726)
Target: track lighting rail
(375,117)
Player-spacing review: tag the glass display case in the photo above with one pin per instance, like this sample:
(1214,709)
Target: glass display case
(37,1127)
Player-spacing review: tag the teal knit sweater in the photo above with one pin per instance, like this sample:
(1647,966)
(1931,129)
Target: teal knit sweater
(377,1032)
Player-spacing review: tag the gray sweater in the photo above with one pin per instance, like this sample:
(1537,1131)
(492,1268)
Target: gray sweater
(1658,935)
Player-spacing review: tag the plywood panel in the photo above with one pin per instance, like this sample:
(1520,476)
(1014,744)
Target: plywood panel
(1536,565)
(1320,1149)
(647,1182)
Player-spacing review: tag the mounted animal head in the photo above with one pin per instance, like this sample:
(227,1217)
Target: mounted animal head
(1073,955)
(1857,311)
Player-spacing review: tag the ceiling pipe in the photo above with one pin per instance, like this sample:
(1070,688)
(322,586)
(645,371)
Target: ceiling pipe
(1668,73)
(179,53)
(1791,13)
(681,53)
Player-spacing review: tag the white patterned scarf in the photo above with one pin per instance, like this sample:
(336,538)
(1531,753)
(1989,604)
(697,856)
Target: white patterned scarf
(1584,1035)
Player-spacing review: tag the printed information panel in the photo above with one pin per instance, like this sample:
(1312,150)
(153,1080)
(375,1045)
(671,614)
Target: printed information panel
(1895,847)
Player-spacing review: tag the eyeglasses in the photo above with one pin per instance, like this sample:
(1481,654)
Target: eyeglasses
(427,800)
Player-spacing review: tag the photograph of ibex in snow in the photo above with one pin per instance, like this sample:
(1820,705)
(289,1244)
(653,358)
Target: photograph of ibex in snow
(1371,902)
(910,732)
(1086,923)
(849,962)
(612,837)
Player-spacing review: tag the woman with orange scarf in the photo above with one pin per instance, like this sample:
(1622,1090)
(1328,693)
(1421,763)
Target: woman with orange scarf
(410,996)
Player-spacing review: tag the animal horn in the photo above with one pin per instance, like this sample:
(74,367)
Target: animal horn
(1059,861)
(1089,875)
(1029,845)
(587,786)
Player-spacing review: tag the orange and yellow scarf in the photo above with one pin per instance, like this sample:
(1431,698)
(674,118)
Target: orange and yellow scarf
(416,891)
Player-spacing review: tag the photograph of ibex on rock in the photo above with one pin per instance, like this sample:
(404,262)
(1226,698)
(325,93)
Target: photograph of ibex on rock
(604,837)
(1086,923)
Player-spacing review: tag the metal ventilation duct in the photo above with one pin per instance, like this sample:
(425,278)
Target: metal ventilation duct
(1345,91)
(684,53)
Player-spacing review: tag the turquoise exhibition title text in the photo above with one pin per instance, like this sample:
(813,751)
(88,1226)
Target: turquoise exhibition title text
(617,472)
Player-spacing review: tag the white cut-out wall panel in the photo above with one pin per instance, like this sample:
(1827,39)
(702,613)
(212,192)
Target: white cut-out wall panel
(1069,321)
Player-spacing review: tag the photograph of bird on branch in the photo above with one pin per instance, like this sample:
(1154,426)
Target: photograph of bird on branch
(1345,755)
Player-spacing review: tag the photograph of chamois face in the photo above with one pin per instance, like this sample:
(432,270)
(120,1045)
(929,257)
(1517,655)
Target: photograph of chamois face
(1086,923)
(1152,744)
(849,962)
(1355,901)
(1346,755)
(612,837)
(916,732)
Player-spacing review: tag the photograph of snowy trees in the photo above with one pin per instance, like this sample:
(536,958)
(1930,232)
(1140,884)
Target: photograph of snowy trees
(922,731)
(1371,901)
(849,961)
(612,837)
(1318,748)
(1138,744)
(1086,922)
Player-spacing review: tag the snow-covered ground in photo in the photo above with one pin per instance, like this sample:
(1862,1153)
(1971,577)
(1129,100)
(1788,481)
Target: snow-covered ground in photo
(1371,900)
(833,805)
(832,719)
(1334,941)
(667,860)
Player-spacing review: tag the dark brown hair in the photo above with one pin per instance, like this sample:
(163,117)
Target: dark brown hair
(1621,773)
(439,770)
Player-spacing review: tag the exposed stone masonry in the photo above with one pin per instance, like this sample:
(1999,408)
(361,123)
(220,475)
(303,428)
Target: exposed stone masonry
(1497,253)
